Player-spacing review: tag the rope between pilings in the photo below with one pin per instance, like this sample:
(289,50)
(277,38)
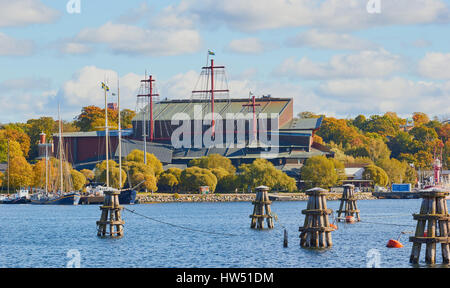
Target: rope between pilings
(179,226)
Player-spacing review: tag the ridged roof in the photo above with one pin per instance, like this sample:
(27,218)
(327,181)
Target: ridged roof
(165,110)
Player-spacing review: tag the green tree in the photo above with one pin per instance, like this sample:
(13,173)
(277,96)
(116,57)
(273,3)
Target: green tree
(420,118)
(192,178)
(114,176)
(89,174)
(169,179)
(377,175)
(319,171)
(126,118)
(138,172)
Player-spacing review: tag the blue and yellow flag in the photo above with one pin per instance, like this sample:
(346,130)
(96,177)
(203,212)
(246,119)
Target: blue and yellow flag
(105,87)
(211,52)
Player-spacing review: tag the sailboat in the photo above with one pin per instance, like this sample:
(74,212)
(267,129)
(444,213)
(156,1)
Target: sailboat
(60,197)
(126,196)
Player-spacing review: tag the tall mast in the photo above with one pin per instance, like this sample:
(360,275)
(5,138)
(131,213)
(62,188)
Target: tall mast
(46,168)
(210,73)
(253,105)
(106,142)
(120,136)
(8,167)
(61,176)
(212,98)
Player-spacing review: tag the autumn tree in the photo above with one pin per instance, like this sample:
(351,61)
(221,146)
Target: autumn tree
(20,172)
(420,118)
(262,172)
(152,161)
(92,118)
(213,161)
(78,180)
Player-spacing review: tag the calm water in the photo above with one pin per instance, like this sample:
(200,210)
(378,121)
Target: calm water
(41,236)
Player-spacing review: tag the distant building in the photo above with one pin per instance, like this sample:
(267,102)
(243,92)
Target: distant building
(243,139)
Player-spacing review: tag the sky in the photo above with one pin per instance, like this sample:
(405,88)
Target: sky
(341,58)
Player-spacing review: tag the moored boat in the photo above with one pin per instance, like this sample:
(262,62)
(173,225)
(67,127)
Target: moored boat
(71,198)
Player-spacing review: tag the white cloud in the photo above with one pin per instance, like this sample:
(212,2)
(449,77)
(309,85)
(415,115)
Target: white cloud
(246,46)
(10,46)
(25,12)
(397,94)
(435,66)
(329,40)
(364,64)
(84,88)
(74,48)
(251,15)
(129,39)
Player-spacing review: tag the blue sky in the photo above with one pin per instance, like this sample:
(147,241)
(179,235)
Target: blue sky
(330,56)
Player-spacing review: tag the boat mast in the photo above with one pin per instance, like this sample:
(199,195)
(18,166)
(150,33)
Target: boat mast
(107,135)
(8,167)
(60,151)
(46,168)
(120,136)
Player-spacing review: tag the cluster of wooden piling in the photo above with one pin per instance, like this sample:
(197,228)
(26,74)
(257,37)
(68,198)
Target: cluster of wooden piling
(348,207)
(261,209)
(435,217)
(111,216)
(316,231)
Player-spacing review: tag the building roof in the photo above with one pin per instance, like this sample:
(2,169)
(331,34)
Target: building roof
(161,151)
(112,133)
(166,110)
(303,124)
(244,153)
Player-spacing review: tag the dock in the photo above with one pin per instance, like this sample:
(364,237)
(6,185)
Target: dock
(88,200)
(396,195)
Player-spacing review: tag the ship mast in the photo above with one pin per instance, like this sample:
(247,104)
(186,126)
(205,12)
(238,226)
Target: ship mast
(120,136)
(60,151)
(106,141)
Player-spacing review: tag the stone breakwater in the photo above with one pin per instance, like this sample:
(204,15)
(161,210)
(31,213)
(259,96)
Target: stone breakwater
(171,198)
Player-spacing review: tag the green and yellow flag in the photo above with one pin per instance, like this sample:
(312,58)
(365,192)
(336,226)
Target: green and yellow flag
(211,52)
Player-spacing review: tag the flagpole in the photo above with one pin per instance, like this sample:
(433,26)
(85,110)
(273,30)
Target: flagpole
(120,135)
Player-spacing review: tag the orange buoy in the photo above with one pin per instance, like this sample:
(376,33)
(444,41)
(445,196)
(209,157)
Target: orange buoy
(334,226)
(349,219)
(394,244)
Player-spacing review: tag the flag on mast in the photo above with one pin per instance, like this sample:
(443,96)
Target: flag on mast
(105,87)
(211,53)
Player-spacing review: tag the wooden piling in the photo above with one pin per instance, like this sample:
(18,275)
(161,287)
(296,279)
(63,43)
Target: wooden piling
(316,231)
(435,218)
(348,205)
(111,216)
(261,209)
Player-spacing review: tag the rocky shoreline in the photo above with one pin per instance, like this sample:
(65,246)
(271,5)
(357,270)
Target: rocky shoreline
(173,198)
